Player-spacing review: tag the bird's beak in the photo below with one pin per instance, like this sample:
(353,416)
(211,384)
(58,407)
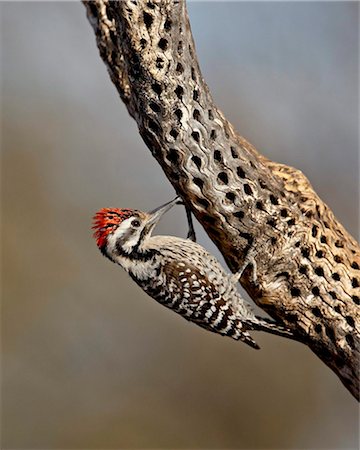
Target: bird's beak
(157,213)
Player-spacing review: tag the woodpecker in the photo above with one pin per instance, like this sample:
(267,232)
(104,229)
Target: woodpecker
(178,273)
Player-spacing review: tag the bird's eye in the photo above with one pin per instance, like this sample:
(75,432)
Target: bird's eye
(135,223)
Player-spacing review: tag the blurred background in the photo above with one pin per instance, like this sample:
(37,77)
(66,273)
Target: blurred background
(88,360)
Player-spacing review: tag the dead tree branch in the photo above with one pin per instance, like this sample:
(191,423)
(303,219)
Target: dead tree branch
(307,264)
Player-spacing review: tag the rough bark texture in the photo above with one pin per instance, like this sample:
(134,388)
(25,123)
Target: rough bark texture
(308,273)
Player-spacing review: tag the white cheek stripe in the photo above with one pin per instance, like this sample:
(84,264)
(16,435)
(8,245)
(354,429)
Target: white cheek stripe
(122,229)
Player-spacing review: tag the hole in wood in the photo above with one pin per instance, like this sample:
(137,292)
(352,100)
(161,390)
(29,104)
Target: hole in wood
(223,177)
(234,153)
(179,91)
(197,161)
(196,136)
(174,133)
(148,19)
(239,214)
(230,196)
(196,115)
(155,107)
(179,68)
(247,189)
(173,155)
(240,171)
(217,156)
(156,88)
(163,44)
(199,182)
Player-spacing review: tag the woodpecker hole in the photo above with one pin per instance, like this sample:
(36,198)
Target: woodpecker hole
(260,206)
(148,19)
(203,202)
(339,244)
(355,283)
(316,311)
(234,153)
(159,63)
(291,318)
(239,214)
(271,222)
(230,196)
(356,299)
(274,199)
(338,259)
(173,155)
(247,189)
(217,156)
(332,295)
(213,135)
(318,328)
(240,172)
(167,25)
(262,184)
(197,161)
(355,265)
(178,113)
(305,252)
(180,47)
(335,276)
(295,292)
(155,107)
(163,44)
(174,133)
(143,43)
(210,114)
(223,177)
(156,88)
(179,68)
(196,115)
(195,95)
(291,222)
(319,271)
(154,127)
(284,213)
(350,321)
(323,239)
(179,91)
(330,333)
(196,136)
(199,182)
(315,290)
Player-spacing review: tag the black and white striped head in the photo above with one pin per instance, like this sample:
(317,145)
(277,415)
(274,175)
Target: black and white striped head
(124,231)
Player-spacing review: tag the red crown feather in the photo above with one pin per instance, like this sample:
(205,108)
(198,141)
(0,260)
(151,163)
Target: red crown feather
(106,221)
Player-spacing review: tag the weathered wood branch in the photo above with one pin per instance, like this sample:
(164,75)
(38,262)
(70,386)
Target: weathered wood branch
(308,273)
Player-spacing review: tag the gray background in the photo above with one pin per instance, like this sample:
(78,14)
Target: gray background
(89,361)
